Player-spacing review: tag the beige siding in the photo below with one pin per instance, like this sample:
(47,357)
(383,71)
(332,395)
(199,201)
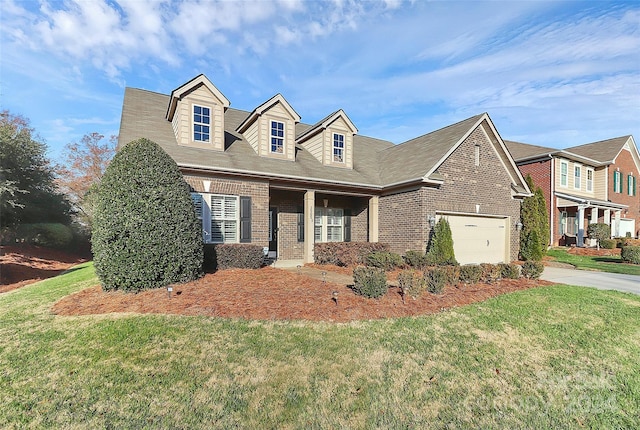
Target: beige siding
(600,185)
(277,113)
(252,136)
(338,126)
(570,187)
(183,119)
(314,146)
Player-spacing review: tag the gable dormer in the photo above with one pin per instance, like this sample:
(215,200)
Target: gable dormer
(196,111)
(331,140)
(270,129)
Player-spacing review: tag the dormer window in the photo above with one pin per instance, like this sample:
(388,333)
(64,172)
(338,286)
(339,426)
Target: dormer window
(277,137)
(338,147)
(201,123)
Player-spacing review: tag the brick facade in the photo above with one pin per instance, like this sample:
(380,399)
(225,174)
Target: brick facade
(257,190)
(540,172)
(624,162)
(467,188)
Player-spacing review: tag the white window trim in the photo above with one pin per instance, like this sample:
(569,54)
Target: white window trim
(630,184)
(322,214)
(206,216)
(577,179)
(271,136)
(589,183)
(194,123)
(334,147)
(566,176)
(617,189)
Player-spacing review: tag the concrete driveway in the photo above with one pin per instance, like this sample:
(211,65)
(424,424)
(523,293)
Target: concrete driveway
(600,280)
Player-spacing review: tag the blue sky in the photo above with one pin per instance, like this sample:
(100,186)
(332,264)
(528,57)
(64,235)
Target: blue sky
(549,73)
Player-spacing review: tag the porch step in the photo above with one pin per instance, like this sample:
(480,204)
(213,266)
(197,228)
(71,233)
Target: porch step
(286,263)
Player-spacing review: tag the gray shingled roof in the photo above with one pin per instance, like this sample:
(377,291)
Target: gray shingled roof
(416,157)
(604,151)
(376,162)
(521,151)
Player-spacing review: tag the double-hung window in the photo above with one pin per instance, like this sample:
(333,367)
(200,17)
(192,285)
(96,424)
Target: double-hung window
(617,182)
(564,169)
(589,180)
(201,123)
(631,185)
(219,216)
(329,225)
(577,176)
(338,147)
(224,219)
(277,137)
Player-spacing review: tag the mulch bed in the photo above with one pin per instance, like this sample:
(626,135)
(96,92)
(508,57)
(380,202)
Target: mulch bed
(25,264)
(275,294)
(593,252)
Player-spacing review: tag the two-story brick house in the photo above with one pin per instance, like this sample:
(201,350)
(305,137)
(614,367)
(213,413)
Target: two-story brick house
(584,184)
(264,177)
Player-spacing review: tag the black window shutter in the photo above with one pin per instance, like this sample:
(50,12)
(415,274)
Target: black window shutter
(347,225)
(245,219)
(300,224)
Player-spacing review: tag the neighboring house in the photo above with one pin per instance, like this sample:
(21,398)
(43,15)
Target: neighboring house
(596,182)
(263,177)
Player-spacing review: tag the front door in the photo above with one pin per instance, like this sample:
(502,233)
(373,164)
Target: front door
(273,232)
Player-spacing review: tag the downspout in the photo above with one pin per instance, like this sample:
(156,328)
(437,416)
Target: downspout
(552,199)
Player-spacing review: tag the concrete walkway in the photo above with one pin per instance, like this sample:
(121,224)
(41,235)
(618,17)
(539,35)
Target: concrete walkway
(600,280)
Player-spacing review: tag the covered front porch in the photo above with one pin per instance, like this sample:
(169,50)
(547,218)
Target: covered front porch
(298,218)
(576,213)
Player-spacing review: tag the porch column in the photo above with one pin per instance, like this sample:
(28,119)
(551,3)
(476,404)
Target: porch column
(607,219)
(373,219)
(580,238)
(309,224)
(594,220)
(615,229)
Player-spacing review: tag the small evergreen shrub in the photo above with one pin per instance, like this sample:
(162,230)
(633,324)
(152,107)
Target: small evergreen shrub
(411,283)
(440,250)
(470,273)
(345,253)
(50,235)
(145,231)
(531,249)
(509,271)
(239,256)
(621,242)
(370,282)
(608,243)
(416,259)
(532,269)
(490,273)
(384,260)
(435,278)
(630,254)
(451,274)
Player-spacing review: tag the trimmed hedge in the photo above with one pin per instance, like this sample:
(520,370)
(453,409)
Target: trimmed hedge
(436,279)
(509,271)
(345,253)
(384,260)
(369,282)
(532,269)
(630,254)
(411,283)
(470,273)
(416,259)
(490,273)
(608,243)
(50,235)
(145,230)
(238,256)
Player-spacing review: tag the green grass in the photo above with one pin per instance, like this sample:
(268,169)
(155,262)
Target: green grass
(553,357)
(609,263)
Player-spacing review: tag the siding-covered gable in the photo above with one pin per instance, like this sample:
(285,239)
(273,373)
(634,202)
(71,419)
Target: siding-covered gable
(182,122)
(339,126)
(318,140)
(570,186)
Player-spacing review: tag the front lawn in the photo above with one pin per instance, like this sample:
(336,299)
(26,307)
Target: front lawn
(549,357)
(605,263)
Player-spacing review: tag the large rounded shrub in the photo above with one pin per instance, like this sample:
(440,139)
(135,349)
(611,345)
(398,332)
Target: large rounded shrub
(145,232)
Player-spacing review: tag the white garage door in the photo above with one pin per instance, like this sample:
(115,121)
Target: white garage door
(478,239)
(627,225)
